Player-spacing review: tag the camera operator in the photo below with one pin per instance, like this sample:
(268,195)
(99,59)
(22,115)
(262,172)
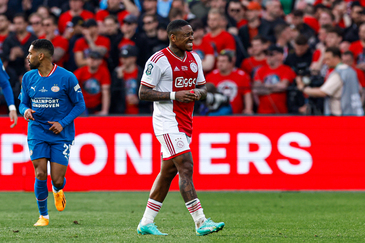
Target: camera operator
(299,61)
(341,89)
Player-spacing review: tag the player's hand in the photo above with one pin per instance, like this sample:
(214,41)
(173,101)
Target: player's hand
(101,113)
(56,127)
(28,115)
(185,96)
(13,118)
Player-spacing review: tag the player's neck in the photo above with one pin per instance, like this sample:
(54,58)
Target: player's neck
(177,51)
(45,68)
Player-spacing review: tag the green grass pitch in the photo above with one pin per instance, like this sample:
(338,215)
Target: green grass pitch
(249,217)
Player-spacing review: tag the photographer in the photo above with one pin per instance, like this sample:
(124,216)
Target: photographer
(341,89)
(299,61)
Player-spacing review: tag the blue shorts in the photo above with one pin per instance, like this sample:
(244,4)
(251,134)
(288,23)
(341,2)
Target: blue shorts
(58,152)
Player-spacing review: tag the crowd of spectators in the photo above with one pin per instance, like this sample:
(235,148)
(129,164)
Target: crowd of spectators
(253,52)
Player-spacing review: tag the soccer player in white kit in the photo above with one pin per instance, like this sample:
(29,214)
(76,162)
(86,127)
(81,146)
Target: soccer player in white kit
(173,78)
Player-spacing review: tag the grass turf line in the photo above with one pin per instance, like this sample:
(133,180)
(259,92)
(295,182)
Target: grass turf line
(249,217)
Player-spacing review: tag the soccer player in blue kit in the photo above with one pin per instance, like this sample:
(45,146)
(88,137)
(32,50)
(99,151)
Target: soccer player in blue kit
(51,99)
(8,94)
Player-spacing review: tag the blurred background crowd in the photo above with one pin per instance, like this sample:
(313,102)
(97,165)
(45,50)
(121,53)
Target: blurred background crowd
(256,54)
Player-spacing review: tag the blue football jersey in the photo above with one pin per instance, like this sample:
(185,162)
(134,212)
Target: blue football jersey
(5,85)
(57,97)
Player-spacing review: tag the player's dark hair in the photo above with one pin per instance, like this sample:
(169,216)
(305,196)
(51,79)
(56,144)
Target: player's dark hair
(348,53)
(336,52)
(175,26)
(43,44)
(301,40)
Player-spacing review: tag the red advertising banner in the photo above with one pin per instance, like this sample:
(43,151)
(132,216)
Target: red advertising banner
(230,153)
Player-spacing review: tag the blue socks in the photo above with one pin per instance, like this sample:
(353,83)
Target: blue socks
(56,189)
(41,194)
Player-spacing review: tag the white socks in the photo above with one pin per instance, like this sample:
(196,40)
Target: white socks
(196,211)
(152,209)
(45,216)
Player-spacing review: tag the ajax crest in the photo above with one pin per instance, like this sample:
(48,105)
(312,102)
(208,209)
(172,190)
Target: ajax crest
(193,67)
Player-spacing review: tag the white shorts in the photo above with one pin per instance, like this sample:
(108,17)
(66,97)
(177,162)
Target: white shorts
(174,144)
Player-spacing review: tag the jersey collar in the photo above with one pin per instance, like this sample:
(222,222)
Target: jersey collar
(52,71)
(174,55)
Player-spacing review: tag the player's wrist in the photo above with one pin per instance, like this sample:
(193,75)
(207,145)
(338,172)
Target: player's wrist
(12,108)
(172,95)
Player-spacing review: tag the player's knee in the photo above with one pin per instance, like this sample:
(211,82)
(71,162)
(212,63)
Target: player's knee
(58,182)
(40,174)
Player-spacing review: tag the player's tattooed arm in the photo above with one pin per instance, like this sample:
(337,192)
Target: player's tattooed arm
(147,93)
(201,92)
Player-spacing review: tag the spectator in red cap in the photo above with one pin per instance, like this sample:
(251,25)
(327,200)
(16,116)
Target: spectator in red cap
(76,9)
(90,42)
(271,83)
(94,80)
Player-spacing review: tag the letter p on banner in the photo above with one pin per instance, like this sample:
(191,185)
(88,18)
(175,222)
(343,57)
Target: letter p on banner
(8,156)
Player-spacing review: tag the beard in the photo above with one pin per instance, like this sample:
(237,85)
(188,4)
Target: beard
(34,65)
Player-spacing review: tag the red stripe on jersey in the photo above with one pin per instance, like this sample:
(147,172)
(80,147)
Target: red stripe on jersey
(171,157)
(201,83)
(147,84)
(172,146)
(157,56)
(52,71)
(169,144)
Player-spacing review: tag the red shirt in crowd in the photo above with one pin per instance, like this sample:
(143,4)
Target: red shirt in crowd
(205,48)
(250,65)
(125,42)
(312,22)
(222,41)
(82,45)
(2,38)
(360,76)
(103,13)
(274,103)
(235,86)
(316,55)
(91,83)
(241,23)
(131,86)
(358,50)
(59,42)
(66,17)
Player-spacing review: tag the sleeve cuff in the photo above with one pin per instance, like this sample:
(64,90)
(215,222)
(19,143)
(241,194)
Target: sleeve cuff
(12,108)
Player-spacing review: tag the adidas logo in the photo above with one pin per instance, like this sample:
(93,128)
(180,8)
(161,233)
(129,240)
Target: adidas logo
(176,69)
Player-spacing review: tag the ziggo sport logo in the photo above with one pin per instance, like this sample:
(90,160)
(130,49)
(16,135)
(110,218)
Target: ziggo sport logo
(181,82)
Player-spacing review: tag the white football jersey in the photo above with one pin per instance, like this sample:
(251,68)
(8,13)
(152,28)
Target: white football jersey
(165,72)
